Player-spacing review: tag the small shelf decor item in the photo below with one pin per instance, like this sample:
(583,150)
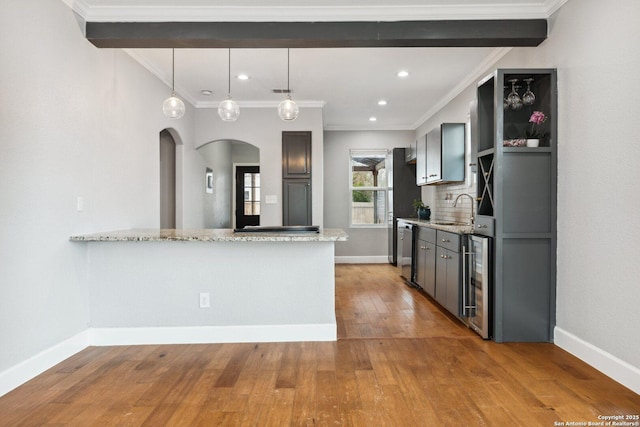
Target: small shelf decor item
(536,133)
(423,211)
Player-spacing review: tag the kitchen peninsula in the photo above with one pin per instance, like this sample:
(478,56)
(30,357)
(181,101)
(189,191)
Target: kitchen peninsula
(211,285)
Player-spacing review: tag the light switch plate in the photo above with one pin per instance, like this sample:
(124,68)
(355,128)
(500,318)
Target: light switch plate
(271,199)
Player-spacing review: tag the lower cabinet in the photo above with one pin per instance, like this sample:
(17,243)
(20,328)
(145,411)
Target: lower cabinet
(439,267)
(296,202)
(426,266)
(448,279)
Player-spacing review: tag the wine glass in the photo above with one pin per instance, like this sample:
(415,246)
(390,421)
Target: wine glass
(513,98)
(528,98)
(505,101)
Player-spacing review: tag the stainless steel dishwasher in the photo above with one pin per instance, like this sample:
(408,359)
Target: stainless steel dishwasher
(405,250)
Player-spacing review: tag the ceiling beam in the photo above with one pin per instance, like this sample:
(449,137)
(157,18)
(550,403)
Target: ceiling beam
(451,33)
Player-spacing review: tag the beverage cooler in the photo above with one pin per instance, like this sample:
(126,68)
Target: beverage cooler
(478,284)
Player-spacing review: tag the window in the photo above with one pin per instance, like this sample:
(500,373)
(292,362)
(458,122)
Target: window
(368,188)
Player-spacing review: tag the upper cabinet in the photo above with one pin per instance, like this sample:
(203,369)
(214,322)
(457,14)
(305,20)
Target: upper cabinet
(442,155)
(296,155)
(410,153)
(421,160)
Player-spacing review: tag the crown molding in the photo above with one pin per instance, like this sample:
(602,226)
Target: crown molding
(363,128)
(552,6)
(261,104)
(161,76)
(471,78)
(388,13)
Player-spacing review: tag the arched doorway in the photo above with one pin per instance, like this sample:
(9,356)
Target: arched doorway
(231,195)
(167,180)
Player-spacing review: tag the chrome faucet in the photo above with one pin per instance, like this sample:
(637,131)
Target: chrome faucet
(472,218)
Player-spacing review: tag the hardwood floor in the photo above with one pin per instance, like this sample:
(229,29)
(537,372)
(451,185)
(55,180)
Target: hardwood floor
(399,361)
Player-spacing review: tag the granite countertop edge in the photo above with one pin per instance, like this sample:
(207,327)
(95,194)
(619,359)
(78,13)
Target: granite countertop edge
(210,235)
(455,228)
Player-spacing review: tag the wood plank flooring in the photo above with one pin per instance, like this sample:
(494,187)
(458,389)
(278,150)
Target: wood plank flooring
(399,361)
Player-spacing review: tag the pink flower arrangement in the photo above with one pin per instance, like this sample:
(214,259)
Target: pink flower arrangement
(537,118)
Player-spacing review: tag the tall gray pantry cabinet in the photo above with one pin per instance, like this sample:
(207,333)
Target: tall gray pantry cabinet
(516,197)
(296,178)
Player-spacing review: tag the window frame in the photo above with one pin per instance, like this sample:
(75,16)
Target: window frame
(360,152)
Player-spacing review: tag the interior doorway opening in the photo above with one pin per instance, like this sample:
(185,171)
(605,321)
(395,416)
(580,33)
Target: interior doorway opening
(247,196)
(167,180)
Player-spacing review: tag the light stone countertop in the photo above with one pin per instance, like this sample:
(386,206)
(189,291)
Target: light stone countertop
(211,235)
(452,228)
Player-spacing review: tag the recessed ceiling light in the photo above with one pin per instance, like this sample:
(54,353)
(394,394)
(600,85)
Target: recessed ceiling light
(403,73)
(372,119)
(382,102)
(206,92)
(243,77)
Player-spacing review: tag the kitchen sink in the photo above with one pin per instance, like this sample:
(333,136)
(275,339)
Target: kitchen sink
(446,223)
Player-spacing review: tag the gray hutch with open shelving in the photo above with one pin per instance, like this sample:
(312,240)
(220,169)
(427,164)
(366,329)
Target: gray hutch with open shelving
(516,200)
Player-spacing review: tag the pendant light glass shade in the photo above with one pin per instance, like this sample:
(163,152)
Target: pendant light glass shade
(173,107)
(228,110)
(288,110)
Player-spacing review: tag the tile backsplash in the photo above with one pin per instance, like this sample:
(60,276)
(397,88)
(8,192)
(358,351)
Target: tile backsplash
(444,210)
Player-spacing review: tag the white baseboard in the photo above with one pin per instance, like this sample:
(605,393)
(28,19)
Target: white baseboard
(35,365)
(361,259)
(213,334)
(621,371)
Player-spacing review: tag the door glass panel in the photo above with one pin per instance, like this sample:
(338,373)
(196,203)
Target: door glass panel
(252,193)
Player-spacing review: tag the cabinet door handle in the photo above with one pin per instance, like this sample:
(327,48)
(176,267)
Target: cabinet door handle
(445,240)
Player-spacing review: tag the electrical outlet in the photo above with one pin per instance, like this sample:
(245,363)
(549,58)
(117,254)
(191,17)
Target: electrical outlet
(205,302)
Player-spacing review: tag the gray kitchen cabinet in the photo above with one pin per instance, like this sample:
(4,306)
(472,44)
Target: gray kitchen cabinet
(426,260)
(410,152)
(445,149)
(516,189)
(296,155)
(296,178)
(421,160)
(448,278)
(448,271)
(296,200)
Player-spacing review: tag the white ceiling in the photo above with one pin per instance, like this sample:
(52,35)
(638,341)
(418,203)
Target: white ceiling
(348,82)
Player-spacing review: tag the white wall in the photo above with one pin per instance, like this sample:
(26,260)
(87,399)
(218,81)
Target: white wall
(594,47)
(363,243)
(263,128)
(75,121)
(217,205)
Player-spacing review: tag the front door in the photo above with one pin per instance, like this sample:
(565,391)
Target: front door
(247,196)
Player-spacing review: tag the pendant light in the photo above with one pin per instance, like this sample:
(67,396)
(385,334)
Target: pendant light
(228,109)
(173,107)
(288,110)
